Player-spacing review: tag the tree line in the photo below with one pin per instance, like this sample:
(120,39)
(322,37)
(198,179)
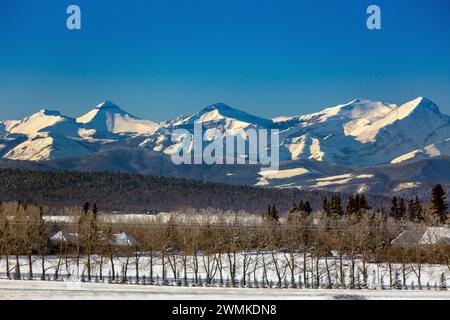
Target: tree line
(113,191)
(304,248)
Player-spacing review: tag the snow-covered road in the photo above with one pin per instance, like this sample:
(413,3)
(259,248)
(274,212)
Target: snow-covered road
(32,290)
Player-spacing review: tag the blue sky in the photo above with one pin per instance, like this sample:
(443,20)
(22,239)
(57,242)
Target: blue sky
(160,59)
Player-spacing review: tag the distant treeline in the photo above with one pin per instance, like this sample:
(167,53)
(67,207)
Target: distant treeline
(135,193)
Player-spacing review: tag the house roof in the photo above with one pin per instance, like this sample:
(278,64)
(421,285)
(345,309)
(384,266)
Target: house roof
(65,237)
(124,240)
(406,238)
(118,239)
(435,234)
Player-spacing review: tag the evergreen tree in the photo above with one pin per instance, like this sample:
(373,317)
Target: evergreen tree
(274,213)
(412,214)
(307,208)
(326,207)
(338,205)
(438,205)
(402,209)
(418,210)
(415,210)
(395,210)
(336,209)
(85,209)
(356,203)
(363,204)
(351,205)
(293,209)
(94,211)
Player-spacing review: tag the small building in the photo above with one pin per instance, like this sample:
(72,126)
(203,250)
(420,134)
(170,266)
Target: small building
(65,237)
(435,235)
(124,240)
(407,239)
(118,239)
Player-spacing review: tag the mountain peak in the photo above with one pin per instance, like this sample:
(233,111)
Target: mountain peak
(107,120)
(101,110)
(47,112)
(356,109)
(421,99)
(218,106)
(425,102)
(218,111)
(355,101)
(361,102)
(419,103)
(107,105)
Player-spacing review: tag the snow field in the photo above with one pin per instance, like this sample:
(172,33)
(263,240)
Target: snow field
(256,276)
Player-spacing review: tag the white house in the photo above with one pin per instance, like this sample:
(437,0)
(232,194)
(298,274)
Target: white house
(436,234)
(65,237)
(407,239)
(124,240)
(118,239)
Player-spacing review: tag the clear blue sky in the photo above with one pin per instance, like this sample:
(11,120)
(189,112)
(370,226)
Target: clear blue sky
(160,59)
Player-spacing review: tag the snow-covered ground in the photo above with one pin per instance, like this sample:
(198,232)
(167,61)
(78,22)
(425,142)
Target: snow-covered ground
(262,270)
(38,290)
(161,217)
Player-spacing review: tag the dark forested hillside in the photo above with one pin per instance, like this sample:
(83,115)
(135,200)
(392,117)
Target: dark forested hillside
(135,192)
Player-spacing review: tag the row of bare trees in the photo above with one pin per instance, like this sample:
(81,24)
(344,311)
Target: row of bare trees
(22,232)
(302,249)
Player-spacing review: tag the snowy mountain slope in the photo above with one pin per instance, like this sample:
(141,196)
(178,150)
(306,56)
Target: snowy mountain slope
(49,135)
(322,136)
(313,147)
(413,125)
(107,119)
(43,121)
(46,146)
(333,131)
(432,150)
(226,116)
(419,111)
(364,132)
(218,116)
(350,116)
(6,125)
(362,145)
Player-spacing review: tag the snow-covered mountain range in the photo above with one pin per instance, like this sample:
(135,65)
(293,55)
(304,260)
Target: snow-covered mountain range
(352,137)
